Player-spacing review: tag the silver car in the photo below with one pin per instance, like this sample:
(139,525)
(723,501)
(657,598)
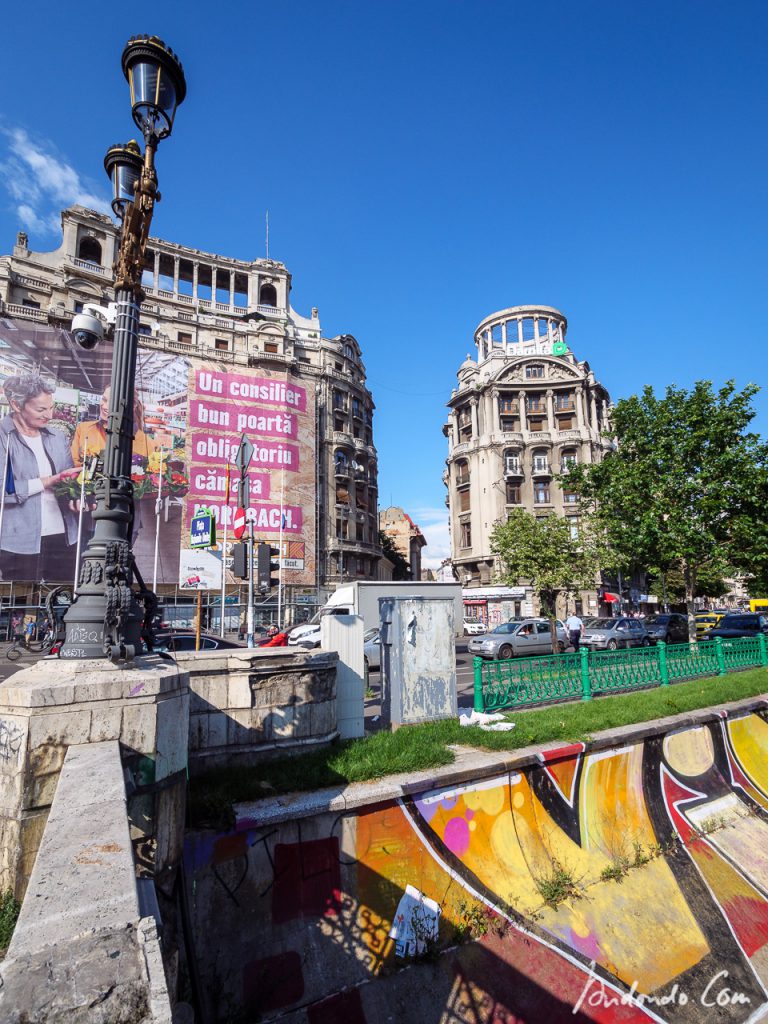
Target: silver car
(372,648)
(610,634)
(518,638)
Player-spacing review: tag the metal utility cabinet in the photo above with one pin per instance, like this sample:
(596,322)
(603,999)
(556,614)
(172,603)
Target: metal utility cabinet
(418,660)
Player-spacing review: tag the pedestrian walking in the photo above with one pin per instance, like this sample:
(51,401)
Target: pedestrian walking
(575,628)
(29,630)
(16,627)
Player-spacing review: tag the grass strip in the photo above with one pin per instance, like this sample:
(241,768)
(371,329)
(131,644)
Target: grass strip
(420,747)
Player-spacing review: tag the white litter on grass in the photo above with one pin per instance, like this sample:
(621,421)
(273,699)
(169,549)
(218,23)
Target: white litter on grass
(491,723)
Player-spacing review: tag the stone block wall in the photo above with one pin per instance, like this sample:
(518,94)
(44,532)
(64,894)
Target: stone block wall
(250,704)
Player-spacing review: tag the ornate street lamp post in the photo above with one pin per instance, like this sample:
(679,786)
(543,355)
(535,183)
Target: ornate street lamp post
(107,616)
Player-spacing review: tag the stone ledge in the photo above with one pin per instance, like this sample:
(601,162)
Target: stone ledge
(52,682)
(471,765)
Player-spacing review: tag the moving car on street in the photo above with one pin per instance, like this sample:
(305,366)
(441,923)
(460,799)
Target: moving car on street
(738,624)
(705,621)
(185,641)
(610,634)
(671,627)
(474,627)
(518,638)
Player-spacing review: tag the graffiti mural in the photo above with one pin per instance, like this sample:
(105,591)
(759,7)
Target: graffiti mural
(628,884)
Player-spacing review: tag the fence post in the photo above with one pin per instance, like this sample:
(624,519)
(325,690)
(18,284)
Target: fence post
(661,647)
(720,655)
(763,649)
(478,667)
(586,688)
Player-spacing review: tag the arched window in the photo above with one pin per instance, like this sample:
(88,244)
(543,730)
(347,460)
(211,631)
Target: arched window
(267,295)
(89,250)
(568,459)
(462,473)
(511,462)
(349,352)
(540,460)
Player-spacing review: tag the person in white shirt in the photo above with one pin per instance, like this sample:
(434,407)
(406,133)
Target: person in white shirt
(575,628)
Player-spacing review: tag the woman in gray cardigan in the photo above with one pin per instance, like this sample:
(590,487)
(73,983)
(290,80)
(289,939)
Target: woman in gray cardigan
(39,533)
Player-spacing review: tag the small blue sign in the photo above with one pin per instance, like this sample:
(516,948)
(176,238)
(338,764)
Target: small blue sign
(203,530)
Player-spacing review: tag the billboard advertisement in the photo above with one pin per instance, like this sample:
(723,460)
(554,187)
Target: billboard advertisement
(189,416)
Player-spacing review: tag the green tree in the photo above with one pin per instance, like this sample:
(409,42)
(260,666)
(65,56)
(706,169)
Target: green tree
(686,485)
(710,581)
(402,569)
(544,552)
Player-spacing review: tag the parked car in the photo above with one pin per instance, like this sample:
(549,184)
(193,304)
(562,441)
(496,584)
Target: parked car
(474,627)
(610,634)
(738,624)
(671,627)
(182,640)
(372,648)
(707,620)
(517,638)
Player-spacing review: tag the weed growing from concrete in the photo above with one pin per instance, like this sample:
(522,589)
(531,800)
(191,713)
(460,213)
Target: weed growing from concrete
(9,915)
(558,885)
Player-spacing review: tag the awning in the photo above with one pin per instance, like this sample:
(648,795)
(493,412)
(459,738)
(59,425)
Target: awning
(475,603)
(611,598)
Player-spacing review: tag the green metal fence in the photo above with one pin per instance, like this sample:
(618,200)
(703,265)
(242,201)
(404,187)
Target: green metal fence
(521,682)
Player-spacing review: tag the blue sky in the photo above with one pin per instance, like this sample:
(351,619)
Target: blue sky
(427,163)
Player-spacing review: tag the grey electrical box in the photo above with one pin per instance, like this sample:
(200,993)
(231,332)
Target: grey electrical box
(418,659)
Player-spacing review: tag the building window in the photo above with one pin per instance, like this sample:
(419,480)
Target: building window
(342,529)
(564,402)
(79,308)
(464,500)
(221,345)
(573,526)
(512,335)
(496,334)
(339,401)
(465,424)
(145,329)
(507,404)
(540,461)
(541,494)
(89,250)
(565,422)
(543,328)
(508,424)
(466,535)
(462,473)
(536,426)
(534,371)
(270,346)
(513,493)
(534,404)
(341,463)
(528,329)
(267,295)
(511,462)
(184,338)
(30,304)
(570,498)
(568,460)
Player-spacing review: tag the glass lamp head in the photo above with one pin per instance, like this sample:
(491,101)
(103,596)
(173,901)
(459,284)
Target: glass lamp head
(156,80)
(123,164)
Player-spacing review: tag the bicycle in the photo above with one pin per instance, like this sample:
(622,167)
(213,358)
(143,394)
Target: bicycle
(16,649)
(19,647)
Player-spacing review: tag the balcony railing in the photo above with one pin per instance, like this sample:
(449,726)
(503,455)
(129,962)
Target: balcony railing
(542,470)
(25,312)
(94,268)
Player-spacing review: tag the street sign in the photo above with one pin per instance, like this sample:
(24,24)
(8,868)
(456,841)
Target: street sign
(244,454)
(238,523)
(203,530)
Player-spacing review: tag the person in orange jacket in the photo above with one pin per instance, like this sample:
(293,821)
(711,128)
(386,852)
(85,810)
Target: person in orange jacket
(275,638)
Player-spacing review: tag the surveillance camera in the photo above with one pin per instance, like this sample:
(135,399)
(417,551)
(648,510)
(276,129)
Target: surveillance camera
(87,330)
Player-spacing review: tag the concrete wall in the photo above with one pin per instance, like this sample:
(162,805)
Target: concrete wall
(53,705)
(250,704)
(81,949)
(623,881)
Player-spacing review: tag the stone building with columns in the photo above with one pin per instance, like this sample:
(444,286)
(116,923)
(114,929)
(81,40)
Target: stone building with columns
(523,410)
(238,312)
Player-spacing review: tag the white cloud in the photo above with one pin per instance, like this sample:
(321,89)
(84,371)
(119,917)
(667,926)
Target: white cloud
(433,523)
(41,183)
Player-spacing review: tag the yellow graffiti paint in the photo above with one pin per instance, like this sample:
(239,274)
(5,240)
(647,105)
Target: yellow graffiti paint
(690,752)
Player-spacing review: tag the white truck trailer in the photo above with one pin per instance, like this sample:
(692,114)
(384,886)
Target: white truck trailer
(361,597)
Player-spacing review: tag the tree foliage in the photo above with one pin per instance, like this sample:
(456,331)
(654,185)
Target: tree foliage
(543,552)
(687,484)
(402,568)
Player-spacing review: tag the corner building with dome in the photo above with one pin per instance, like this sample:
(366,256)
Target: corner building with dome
(523,410)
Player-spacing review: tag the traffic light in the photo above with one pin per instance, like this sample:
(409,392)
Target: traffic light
(240,561)
(268,566)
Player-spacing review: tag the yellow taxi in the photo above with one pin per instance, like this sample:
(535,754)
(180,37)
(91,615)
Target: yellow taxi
(707,620)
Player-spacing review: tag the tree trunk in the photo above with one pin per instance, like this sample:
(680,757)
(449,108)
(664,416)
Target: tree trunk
(548,601)
(689,576)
